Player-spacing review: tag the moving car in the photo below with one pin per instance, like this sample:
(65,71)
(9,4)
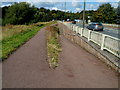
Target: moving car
(74,22)
(95,26)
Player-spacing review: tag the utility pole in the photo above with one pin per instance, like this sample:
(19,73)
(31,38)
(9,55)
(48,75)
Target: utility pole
(62,11)
(84,14)
(65,9)
(65,5)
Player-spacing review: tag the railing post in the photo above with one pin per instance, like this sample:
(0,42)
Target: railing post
(103,42)
(76,29)
(71,27)
(81,32)
(89,35)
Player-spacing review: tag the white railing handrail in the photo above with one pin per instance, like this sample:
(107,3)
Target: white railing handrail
(101,41)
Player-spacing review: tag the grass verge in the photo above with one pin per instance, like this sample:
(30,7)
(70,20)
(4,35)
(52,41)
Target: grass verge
(53,45)
(15,36)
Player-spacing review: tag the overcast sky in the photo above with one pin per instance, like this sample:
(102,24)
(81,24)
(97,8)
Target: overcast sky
(71,5)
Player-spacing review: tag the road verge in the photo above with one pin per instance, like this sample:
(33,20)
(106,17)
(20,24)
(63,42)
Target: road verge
(53,45)
(17,35)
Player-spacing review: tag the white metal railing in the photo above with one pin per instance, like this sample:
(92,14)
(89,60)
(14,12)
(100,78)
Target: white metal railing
(106,42)
(96,37)
(85,33)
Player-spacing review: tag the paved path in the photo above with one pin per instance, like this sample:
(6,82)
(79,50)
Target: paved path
(28,67)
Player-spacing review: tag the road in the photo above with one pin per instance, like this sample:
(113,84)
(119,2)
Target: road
(28,67)
(109,31)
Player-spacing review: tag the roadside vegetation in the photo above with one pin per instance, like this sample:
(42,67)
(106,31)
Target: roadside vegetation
(16,35)
(25,13)
(53,46)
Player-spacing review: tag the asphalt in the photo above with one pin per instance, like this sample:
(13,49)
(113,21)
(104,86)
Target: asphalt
(114,32)
(28,67)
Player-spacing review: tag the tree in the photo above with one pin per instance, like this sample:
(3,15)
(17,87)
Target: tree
(20,13)
(106,14)
(118,13)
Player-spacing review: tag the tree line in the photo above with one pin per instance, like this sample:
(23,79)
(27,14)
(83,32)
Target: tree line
(105,14)
(25,13)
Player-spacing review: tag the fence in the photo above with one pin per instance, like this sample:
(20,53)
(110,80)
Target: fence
(106,42)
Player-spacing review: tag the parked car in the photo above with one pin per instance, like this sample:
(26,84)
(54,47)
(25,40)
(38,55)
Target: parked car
(95,26)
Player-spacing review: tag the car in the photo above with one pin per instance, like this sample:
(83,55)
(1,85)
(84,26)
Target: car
(73,22)
(95,26)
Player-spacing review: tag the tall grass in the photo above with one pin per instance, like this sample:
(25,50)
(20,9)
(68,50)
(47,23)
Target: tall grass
(53,45)
(16,35)
(10,30)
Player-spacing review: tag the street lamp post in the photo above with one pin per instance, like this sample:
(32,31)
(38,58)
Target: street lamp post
(65,9)
(84,14)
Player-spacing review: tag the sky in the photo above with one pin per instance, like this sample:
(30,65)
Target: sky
(71,5)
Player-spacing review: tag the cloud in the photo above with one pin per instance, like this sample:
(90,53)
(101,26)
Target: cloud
(73,5)
(92,6)
(107,0)
(95,1)
(5,5)
(7,0)
(43,4)
(78,9)
(115,5)
(60,0)
(76,3)
(54,8)
(32,0)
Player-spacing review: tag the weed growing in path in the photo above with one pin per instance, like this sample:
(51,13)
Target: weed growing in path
(53,45)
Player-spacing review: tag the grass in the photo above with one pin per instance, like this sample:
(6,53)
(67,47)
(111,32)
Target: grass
(10,30)
(16,35)
(53,46)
